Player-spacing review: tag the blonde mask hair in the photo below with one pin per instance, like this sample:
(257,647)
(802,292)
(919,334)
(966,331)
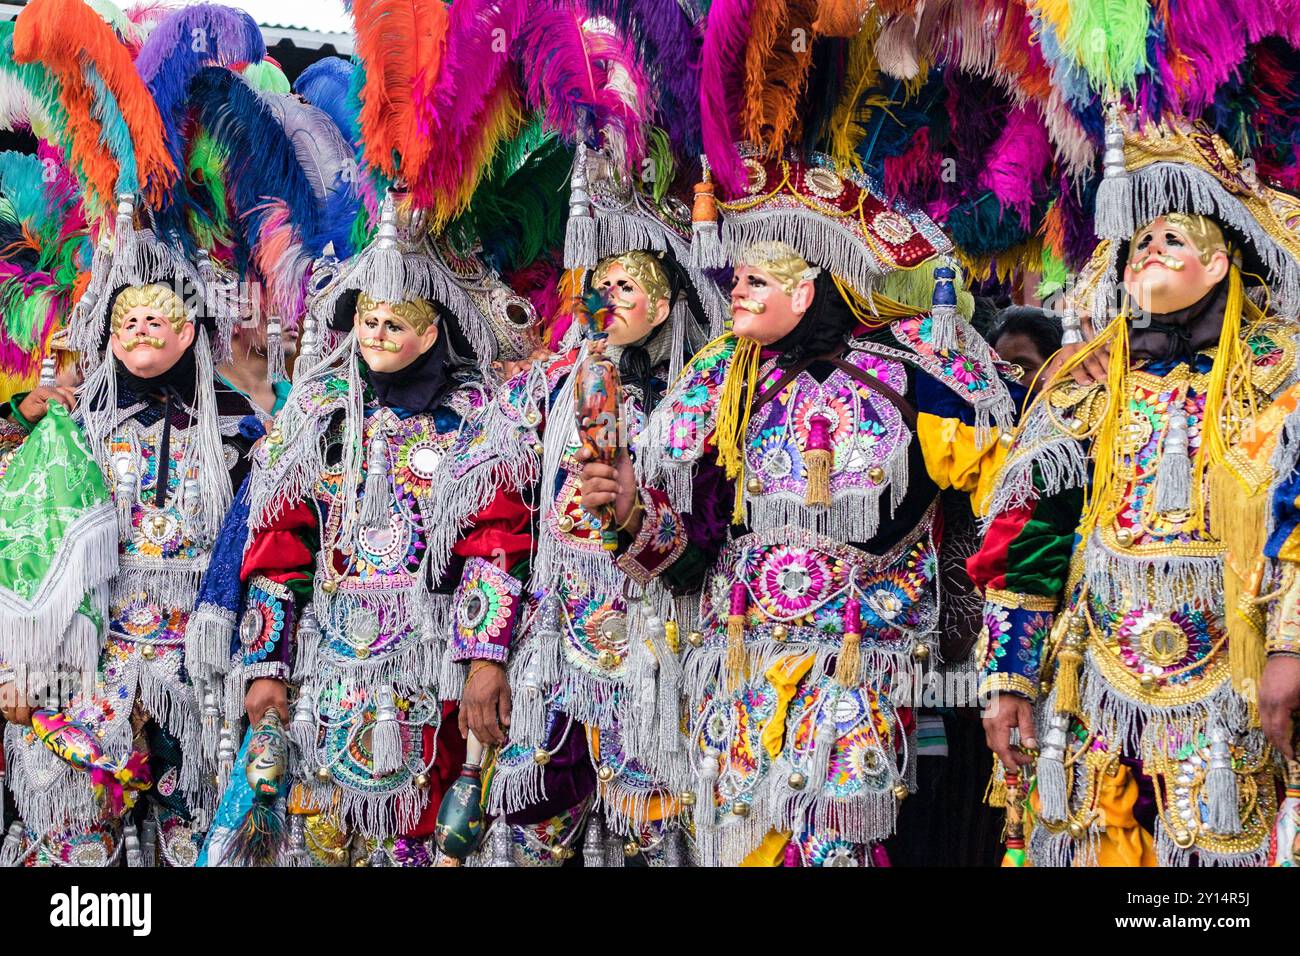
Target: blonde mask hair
(1204,233)
(781,262)
(419,314)
(644,269)
(161,298)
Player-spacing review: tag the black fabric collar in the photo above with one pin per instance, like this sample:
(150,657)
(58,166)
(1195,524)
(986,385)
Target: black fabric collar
(178,381)
(418,388)
(1178,336)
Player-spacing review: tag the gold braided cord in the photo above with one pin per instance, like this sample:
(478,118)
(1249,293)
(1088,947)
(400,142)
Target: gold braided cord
(734,407)
(877,312)
(1230,402)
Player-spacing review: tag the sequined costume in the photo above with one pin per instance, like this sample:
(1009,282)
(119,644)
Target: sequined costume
(366,584)
(170,449)
(1128,611)
(817,612)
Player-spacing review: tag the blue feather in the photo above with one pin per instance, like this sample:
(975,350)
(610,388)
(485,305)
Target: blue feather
(261,161)
(22,181)
(326,85)
(185,42)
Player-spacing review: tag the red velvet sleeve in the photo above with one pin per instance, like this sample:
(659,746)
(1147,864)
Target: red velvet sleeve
(283,552)
(502,529)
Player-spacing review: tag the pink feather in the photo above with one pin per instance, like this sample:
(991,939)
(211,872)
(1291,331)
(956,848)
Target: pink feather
(722,76)
(480,37)
(588,82)
(1018,161)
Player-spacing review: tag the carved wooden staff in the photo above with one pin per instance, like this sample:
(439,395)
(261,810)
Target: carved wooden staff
(597,393)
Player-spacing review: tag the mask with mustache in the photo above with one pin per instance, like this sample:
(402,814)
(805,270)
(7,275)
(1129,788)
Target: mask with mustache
(147,341)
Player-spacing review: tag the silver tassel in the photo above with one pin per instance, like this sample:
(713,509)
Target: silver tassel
(943,309)
(580,231)
(706,808)
(11,848)
(297,849)
(1053,793)
(674,852)
(502,847)
(211,721)
(309,346)
(302,729)
(49,372)
(706,242)
(1114,215)
(1221,785)
(125,492)
(1174,473)
(275,371)
(386,735)
(380,271)
(593,842)
(134,858)
(824,739)
(149,841)
(376,499)
(528,713)
(225,758)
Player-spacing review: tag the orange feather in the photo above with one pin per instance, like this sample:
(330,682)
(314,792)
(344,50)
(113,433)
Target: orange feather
(397,41)
(840,18)
(777,61)
(66,35)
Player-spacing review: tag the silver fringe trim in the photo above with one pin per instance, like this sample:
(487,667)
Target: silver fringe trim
(1041,449)
(44,632)
(1166,580)
(1163,187)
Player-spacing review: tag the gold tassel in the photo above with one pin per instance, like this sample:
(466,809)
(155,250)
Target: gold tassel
(995,793)
(734,407)
(1240,520)
(1239,506)
(1069,662)
(736,663)
(848,664)
(817,468)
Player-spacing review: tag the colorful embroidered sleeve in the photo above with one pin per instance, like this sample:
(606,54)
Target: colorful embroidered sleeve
(1022,567)
(277,573)
(1283,546)
(680,547)
(487,600)
(956,454)
(661,541)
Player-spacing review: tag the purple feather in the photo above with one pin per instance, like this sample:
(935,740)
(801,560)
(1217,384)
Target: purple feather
(670,45)
(185,42)
(722,78)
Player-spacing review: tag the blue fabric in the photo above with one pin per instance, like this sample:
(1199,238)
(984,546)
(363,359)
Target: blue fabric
(221,587)
(937,398)
(234,806)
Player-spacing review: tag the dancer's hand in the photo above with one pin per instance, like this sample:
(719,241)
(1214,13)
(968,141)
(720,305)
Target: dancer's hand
(1091,370)
(37,402)
(485,703)
(14,706)
(263,694)
(1279,699)
(1007,712)
(603,484)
